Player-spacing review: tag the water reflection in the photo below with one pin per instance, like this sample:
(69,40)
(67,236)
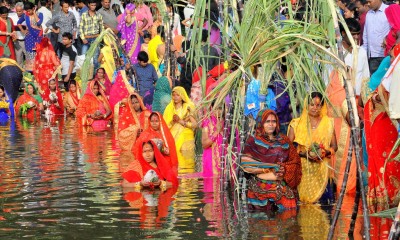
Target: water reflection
(58,181)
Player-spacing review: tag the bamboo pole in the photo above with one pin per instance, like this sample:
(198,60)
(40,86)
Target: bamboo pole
(355,208)
(353,135)
(395,229)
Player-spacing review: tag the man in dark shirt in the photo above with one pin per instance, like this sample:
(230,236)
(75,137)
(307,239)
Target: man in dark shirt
(146,77)
(68,56)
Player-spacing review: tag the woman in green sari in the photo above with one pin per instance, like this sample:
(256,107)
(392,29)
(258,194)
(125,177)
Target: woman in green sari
(162,94)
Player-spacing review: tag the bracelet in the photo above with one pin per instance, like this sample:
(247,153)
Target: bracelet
(137,186)
(105,116)
(163,186)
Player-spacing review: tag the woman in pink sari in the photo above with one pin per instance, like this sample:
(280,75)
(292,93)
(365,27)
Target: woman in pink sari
(393,17)
(94,109)
(130,33)
(103,80)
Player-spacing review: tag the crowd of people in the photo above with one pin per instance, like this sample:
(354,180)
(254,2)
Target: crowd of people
(154,115)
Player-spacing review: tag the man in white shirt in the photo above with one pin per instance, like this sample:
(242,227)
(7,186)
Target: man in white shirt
(44,9)
(188,11)
(19,45)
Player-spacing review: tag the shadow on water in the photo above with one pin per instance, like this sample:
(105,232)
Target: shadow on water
(61,182)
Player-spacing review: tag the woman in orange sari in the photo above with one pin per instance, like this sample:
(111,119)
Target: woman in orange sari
(46,63)
(131,118)
(29,104)
(72,97)
(160,134)
(94,109)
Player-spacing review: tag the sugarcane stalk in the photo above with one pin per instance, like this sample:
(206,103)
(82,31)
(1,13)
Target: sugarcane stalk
(395,229)
(354,134)
(355,208)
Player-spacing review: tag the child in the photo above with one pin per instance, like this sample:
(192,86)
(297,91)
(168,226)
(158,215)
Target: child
(145,45)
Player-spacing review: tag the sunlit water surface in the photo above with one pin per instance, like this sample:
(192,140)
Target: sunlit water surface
(61,182)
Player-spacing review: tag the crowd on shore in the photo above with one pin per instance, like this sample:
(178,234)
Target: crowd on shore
(155,115)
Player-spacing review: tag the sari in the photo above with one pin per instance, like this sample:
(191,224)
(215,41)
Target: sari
(153,45)
(164,135)
(381,135)
(6,108)
(162,95)
(184,136)
(338,111)
(46,63)
(315,174)
(89,104)
(128,123)
(71,100)
(129,34)
(212,154)
(6,42)
(120,89)
(50,98)
(23,103)
(139,167)
(392,13)
(108,62)
(105,83)
(34,36)
(278,151)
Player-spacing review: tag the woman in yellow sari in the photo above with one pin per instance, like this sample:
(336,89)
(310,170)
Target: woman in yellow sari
(179,116)
(107,57)
(314,134)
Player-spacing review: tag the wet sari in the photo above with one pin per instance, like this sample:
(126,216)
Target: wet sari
(139,167)
(381,135)
(23,103)
(162,95)
(105,84)
(315,174)
(337,97)
(281,151)
(6,108)
(46,63)
(184,136)
(212,154)
(129,35)
(128,123)
(164,136)
(71,100)
(50,99)
(89,104)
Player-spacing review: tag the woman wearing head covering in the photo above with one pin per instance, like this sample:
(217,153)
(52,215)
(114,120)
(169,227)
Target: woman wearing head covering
(392,13)
(29,104)
(273,163)
(314,133)
(72,97)
(52,98)
(46,62)
(103,80)
(162,94)
(94,109)
(160,134)
(108,57)
(131,118)
(130,33)
(180,118)
(6,35)
(6,105)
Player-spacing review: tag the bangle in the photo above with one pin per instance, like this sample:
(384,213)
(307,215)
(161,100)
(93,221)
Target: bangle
(137,186)
(163,186)
(105,116)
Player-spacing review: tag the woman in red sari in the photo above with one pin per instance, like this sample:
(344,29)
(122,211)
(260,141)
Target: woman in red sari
(381,135)
(104,81)
(131,118)
(160,134)
(46,63)
(150,169)
(6,34)
(52,98)
(72,97)
(94,109)
(29,104)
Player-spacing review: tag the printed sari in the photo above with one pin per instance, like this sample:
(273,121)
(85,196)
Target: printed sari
(128,123)
(46,63)
(34,36)
(129,34)
(315,174)
(121,89)
(50,99)
(90,104)
(6,42)
(164,135)
(184,136)
(280,151)
(162,95)
(212,154)
(6,108)
(337,97)
(381,135)
(25,101)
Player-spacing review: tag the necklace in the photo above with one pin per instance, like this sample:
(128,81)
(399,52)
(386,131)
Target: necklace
(315,124)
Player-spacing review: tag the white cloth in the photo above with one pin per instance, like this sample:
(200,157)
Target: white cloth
(394,90)
(362,71)
(188,11)
(75,11)
(47,15)
(65,62)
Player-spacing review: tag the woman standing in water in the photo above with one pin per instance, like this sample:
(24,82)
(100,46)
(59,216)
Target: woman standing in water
(6,106)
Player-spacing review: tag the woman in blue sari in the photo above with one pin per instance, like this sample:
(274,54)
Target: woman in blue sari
(6,106)
(33,34)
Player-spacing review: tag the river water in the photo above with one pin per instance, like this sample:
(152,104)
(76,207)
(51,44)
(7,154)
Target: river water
(61,182)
